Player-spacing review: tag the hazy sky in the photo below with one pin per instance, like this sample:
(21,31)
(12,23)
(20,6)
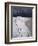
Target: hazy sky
(21,11)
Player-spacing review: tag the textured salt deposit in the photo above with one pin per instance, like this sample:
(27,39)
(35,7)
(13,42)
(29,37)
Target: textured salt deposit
(22,27)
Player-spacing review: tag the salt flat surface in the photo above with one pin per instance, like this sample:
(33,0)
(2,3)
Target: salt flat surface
(21,27)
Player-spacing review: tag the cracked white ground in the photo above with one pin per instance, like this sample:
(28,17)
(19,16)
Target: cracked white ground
(21,27)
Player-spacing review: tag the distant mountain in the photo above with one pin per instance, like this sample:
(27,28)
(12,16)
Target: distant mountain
(21,11)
